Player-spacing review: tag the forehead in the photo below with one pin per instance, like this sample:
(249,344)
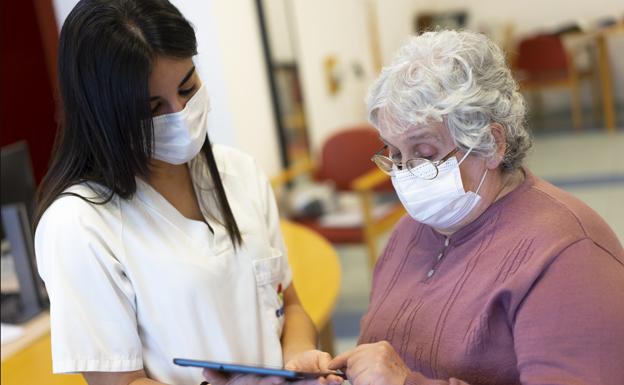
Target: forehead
(168,72)
(430,133)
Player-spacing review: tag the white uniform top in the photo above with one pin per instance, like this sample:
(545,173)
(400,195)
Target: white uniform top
(133,283)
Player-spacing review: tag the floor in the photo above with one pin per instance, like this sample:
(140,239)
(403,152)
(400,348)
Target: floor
(590,165)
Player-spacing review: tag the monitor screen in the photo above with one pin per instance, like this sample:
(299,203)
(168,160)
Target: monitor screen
(17,183)
(23,294)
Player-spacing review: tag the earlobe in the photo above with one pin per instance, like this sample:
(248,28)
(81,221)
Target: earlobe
(494,161)
(498,131)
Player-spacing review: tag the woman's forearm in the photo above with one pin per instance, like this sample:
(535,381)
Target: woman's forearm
(299,332)
(146,381)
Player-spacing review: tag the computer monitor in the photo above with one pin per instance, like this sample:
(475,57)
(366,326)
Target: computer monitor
(17,183)
(17,197)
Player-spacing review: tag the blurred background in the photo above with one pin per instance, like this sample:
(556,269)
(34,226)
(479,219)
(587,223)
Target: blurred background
(287,81)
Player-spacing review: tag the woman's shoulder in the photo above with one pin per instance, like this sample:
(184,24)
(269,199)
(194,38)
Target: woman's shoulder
(231,160)
(80,228)
(235,166)
(80,205)
(558,214)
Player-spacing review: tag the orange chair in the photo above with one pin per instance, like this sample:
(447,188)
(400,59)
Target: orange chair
(345,161)
(542,62)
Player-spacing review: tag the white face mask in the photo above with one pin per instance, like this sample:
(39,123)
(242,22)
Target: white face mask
(441,202)
(178,137)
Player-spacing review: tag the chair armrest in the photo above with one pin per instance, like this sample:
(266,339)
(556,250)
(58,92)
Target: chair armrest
(369,181)
(301,167)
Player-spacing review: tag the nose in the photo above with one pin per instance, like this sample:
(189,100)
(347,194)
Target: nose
(404,159)
(178,104)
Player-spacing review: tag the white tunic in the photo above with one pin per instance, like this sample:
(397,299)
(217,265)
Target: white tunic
(133,283)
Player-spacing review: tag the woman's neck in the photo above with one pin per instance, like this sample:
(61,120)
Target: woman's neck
(165,176)
(175,184)
(509,182)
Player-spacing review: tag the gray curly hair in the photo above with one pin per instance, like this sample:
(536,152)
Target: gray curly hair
(460,78)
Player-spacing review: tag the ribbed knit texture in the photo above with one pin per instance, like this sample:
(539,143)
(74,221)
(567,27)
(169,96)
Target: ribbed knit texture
(530,292)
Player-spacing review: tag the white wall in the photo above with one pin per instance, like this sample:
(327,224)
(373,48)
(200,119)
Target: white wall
(242,68)
(278,24)
(338,28)
(395,23)
(531,15)
(395,17)
(230,62)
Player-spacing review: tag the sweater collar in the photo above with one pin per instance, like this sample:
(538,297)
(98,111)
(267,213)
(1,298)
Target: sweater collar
(484,221)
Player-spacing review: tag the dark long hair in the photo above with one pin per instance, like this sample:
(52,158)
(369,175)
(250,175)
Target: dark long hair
(106,52)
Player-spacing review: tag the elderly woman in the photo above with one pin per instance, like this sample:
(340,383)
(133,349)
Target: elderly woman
(496,276)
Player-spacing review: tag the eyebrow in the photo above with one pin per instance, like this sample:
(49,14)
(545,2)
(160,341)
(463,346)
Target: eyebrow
(187,76)
(184,80)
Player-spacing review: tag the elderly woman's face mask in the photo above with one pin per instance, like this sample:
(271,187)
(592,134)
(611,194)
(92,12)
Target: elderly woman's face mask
(442,202)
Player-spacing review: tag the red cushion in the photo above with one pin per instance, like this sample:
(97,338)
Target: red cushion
(346,155)
(542,57)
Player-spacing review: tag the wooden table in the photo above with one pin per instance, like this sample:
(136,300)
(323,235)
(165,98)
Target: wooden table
(604,70)
(600,39)
(316,276)
(28,360)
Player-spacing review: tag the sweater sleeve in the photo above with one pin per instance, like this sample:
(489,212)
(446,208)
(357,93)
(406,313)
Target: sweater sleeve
(416,378)
(569,328)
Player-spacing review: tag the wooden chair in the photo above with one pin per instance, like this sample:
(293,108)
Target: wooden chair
(345,161)
(541,62)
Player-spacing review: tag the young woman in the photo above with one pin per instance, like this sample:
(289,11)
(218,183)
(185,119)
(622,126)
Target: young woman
(153,243)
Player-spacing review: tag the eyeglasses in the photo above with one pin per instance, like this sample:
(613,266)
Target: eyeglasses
(419,167)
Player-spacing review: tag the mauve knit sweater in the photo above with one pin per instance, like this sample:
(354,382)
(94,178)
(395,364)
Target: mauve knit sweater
(531,292)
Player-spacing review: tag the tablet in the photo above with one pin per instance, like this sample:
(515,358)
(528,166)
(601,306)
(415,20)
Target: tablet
(223,367)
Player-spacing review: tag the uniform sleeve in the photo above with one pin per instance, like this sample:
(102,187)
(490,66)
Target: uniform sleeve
(92,305)
(272,219)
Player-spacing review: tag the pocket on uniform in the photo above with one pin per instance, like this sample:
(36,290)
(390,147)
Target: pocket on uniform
(268,270)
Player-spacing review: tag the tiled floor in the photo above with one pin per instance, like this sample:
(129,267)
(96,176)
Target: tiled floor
(589,165)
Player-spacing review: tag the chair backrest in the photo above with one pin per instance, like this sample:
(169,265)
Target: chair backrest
(347,154)
(542,57)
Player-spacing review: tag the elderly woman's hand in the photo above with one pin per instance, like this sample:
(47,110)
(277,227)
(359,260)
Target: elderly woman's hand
(376,363)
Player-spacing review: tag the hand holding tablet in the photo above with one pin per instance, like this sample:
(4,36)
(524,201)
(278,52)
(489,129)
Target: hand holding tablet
(230,368)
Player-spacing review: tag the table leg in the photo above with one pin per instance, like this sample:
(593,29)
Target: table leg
(606,83)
